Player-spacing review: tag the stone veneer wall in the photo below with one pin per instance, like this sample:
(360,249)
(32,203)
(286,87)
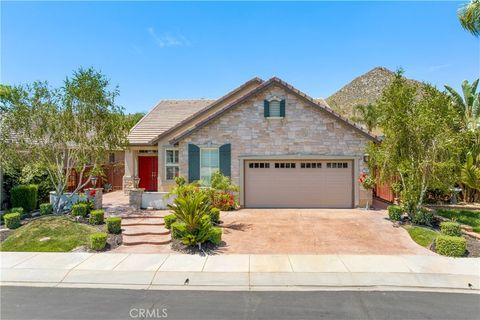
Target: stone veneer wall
(304,130)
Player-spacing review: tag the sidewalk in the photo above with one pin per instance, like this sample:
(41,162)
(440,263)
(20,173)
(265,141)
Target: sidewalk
(240,272)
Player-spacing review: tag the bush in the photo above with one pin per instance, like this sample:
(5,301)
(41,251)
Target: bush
(179,230)
(24,196)
(171,218)
(98,240)
(96,217)
(12,220)
(423,217)
(395,212)
(90,205)
(450,229)
(216,236)
(215,215)
(46,208)
(450,246)
(17,210)
(79,209)
(114,225)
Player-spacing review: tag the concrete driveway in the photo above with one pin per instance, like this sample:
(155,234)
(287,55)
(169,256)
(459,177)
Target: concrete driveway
(314,231)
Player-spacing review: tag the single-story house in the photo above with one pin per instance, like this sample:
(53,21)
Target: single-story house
(282,147)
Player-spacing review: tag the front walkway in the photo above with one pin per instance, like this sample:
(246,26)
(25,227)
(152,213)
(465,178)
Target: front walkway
(239,272)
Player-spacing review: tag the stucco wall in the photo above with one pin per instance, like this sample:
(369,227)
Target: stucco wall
(305,130)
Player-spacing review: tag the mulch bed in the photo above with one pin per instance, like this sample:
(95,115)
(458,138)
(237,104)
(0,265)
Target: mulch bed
(207,248)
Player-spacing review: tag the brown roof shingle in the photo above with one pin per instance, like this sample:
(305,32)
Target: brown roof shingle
(165,115)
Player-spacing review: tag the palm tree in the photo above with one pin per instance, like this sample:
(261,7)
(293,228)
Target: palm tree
(366,115)
(469,16)
(467,106)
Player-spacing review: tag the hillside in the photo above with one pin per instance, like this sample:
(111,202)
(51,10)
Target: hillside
(364,89)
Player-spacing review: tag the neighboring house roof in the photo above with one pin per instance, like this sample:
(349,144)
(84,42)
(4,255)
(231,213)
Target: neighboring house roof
(320,103)
(165,115)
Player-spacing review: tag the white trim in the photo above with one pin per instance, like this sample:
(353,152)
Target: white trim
(166,164)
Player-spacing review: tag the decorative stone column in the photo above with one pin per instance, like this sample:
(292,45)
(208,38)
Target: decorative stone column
(97,197)
(135,198)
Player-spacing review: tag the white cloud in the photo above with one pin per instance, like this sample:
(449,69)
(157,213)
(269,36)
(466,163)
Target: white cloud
(168,40)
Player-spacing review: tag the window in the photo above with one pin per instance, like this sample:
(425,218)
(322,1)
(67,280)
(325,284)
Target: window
(275,108)
(339,165)
(209,163)
(261,165)
(171,164)
(311,165)
(283,165)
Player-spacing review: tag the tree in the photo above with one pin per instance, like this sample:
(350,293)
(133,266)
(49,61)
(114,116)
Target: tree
(64,129)
(469,16)
(468,106)
(366,115)
(420,145)
(133,118)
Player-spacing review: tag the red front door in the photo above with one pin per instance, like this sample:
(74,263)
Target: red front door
(147,172)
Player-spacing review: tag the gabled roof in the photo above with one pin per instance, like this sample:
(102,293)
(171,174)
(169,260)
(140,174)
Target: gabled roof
(319,103)
(169,115)
(165,115)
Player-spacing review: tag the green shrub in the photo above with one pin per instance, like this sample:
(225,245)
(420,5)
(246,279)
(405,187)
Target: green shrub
(450,229)
(179,230)
(46,208)
(423,217)
(171,218)
(24,196)
(79,209)
(90,205)
(98,240)
(215,215)
(17,210)
(450,246)
(395,212)
(114,225)
(96,217)
(216,236)
(12,220)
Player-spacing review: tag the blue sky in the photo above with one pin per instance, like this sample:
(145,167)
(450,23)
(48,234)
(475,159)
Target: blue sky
(159,50)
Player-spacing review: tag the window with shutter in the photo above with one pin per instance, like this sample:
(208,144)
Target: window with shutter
(274,108)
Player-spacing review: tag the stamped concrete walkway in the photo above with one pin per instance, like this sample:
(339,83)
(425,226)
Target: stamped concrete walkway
(239,272)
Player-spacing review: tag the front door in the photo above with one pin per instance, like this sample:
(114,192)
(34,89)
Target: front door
(147,172)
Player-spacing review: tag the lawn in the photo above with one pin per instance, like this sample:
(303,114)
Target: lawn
(64,235)
(422,236)
(470,218)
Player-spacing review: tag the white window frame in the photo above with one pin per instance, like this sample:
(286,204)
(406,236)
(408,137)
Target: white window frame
(166,164)
(218,161)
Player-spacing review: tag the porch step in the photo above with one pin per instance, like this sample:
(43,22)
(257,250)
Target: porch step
(138,216)
(145,230)
(143,222)
(146,239)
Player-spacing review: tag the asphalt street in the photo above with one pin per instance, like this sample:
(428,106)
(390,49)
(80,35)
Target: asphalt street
(76,303)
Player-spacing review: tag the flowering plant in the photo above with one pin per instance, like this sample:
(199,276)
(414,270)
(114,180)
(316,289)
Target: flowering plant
(366,180)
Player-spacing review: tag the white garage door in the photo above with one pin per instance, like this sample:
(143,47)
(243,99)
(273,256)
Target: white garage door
(299,184)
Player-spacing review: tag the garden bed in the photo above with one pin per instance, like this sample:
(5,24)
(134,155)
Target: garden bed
(466,217)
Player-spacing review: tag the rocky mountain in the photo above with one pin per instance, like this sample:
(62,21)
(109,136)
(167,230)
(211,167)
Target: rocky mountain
(364,89)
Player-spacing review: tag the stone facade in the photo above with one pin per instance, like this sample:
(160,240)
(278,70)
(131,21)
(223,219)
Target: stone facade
(305,130)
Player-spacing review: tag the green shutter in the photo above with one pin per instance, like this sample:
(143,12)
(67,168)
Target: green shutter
(193,163)
(266,108)
(225,159)
(282,108)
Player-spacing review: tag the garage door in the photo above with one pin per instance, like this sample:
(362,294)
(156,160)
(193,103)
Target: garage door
(299,184)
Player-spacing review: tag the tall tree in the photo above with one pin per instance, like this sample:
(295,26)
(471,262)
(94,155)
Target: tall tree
(468,105)
(420,145)
(366,115)
(64,129)
(469,16)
